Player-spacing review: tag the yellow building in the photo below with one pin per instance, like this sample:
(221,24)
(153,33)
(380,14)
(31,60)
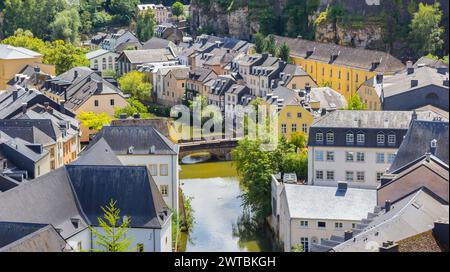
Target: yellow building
(342,68)
(14,59)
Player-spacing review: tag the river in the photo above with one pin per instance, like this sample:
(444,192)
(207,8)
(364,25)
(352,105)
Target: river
(217,210)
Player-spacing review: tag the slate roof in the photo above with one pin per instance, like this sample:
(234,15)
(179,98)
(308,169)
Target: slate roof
(284,95)
(45,128)
(11,52)
(200,74)
(412,215)
(139,138)
(328,98)
(328,203)
(99,154)
(96,53)
(431,113)
(369,119)
(347,56)
(417,142)
(221,84)
(156,43)
(401,82)
(149,55)
(424,61)
(7,183)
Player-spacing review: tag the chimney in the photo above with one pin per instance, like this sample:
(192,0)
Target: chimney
(389,246)
(414,115)
(348,234)
(414,83)
(342,186)
(46,105)
(24,107)
(409,67)
(433,146)
(100,86)
(37,69)
(123,116)
(75,74)
(387,205)
(15,95)
(62,107)
(308,88)
(428,156)
(379,78)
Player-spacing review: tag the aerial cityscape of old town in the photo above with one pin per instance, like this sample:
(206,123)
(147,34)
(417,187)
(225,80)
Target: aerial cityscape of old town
(224,126)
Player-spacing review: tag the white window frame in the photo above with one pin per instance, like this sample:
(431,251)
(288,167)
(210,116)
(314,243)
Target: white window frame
(358,175)
(379,156)
(330,137)
(319,137)
(347,156)
(319,156)
(304,224)
(358,156)
(381,139)
(347,176)
(349,136)
(361,138)
(321,173)
(330,156)
(392,139)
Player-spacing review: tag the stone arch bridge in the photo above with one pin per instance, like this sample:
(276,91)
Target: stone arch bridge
(219,149)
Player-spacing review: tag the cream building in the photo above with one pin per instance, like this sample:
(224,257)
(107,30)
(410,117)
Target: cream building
(102,60)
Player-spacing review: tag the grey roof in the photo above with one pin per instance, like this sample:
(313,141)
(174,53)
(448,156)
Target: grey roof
(431,113)
(412,215)
(99,154)
(200,74)
(401,82)
(139,138)
(45,129)
(7,183)
(347,56)
(329,203)
(288,96)
(28,237)
(29,134)
(328,98)
(433,63)
(156,43)
(96,53)
(417,142)
(368,119)
(11,52)
(149,55)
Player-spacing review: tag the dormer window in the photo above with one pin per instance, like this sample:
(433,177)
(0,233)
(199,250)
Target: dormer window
(380,138)
(319,137)
(330,137)
(350,138)
(392,139)
(361,138)
(75,222)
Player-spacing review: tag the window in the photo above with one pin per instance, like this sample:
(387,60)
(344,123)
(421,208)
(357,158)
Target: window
(391,158)
(319,137)
(140,247)
(330,175)
(349,157)
(360,176)
(353,225)
(153,169)
(391,139)
(164,190)
(111,102)
(304,224)
(330,137)
(348,76)
(379,175)
(283,128)
(357,77)
(380,158)
(349,176)
(95,103)
(294,127)
(360,157)
(319,175)
(305,128)
(380,139)
(323,71)
(304,241)
(164,170)
(321,225)
(360,138)
(330,156)
(338,225)
(350,138)
(339,74)
(331,72)
(319,155)
(299,115)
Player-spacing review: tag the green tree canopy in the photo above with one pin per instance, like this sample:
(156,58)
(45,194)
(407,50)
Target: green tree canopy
(356,104)
(177,9)
(270,45)
(299,139)
(134,106)
(145,25)
(134,83)
(66,26)
(112,238)
(426,32)
(94,121)
(284,52)
(123,10)
(258,40)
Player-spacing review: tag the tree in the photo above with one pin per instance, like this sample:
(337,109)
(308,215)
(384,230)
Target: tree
(123,10)
(134,106)
(66,26)
(145,25)
(283,52)
(356,104)
(134,83)
(297,248)
(258,40)
(94,121)
(299,139)
(112,237)
(177,9)
(426,32)
(295,163)
(270,45)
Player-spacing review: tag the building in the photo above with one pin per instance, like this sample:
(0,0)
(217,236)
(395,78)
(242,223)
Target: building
(303,214)
(344,68)
(195,83)
(415,88)
(217,88)
(129,60)
(29,237)
(174,89)
(233,98)
(145,146)
(120,41)
(102,60)
(432,63)
(169,31)
(162,14)
(158,72)
(14,59)
(84,90)
(354,146)
(31,77)
(70,199)
(158,43)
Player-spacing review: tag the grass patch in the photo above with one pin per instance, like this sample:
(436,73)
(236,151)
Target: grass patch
(208,170)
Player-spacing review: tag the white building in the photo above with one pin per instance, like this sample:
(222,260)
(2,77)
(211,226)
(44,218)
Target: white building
(354,146)
(304,214)
(102,60)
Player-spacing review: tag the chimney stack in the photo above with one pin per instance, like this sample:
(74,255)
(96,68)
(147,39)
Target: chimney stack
(24,107)
(348,234)
(414,83)
(387,205)
(15,95)
(75,74)
(62,107)
(409,67)
(433,146)
(100,86)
